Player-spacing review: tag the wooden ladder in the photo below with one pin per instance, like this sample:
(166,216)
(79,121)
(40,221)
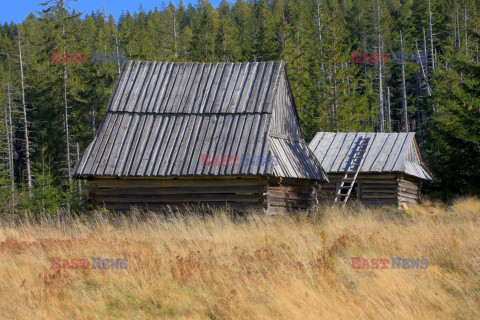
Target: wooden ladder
(353,168)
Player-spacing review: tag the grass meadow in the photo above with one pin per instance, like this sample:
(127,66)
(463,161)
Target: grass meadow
(215,266)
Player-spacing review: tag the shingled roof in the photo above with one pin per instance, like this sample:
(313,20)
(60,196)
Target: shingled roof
(164,116)
(387,152)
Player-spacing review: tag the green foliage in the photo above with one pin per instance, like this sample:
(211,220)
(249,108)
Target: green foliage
(454,133)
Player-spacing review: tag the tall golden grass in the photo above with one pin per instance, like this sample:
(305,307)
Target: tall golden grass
(192,266)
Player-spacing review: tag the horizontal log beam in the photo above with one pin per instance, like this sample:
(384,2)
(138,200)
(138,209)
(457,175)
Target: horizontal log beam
(145,183)
(176,198)
(175,190)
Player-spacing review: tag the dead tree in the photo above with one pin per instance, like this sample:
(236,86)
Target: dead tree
(404,90)
(10,146)
(65,102)
(425,77)
(320,40)
(380,82)
(431,34)
(25,121)
(118,54)
(465,27)
(78,160)
(389,111)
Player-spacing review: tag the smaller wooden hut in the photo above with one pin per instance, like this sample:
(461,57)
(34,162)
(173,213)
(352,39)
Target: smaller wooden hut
(391,173)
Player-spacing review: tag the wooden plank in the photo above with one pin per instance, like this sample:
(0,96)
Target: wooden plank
(120,87)
(291,203)
(130,183)
(167,144)
(164,83)
(199,206)
(346,152)
(375,191)
(408,195)
(105,159)
(399,165)
(127,147)
(378,196)
(276,194)
(232,104)
(134,153)
(266,83)
(208,83)
(299,189)
(176,197)
(377,143)
(115,152)
(193,90)
(176,190)
(172,87)
(177,100)
(385,153)
(147,93)
(218,144)
(407,199)
(408,190)
(256,86)
(332,152)
(156,125)
(234,75)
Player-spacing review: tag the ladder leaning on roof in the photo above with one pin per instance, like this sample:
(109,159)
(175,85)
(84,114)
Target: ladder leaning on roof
(353,168)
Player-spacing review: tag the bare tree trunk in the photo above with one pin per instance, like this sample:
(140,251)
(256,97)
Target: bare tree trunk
(175,35)
(455,36)
(429,93)
(78,160)
(380,82)
(93,122)
(67,129)
(25,121)
(335,93)
(10,147)
(465,27)
(431,34)
(389,111)
(118,54)
(458,31)
(425,51)
(404,90)
(320,40)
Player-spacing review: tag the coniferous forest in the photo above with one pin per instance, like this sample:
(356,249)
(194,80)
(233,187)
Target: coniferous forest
(364,65)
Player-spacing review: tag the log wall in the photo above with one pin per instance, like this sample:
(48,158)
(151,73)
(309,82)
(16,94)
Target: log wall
(287,195)
(376,189)
(271,195)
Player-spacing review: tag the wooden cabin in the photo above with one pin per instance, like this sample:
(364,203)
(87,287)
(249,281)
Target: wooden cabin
(217,134)
(391,173)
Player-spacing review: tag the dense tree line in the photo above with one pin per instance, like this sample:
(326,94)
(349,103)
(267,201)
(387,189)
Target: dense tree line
(344,61)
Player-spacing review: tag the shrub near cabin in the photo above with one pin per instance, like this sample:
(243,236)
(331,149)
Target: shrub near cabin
(396,263)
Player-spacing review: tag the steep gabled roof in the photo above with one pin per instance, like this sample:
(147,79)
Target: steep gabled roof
(387,152)
(164,117)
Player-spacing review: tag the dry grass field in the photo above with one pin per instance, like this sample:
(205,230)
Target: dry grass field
(216,267)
